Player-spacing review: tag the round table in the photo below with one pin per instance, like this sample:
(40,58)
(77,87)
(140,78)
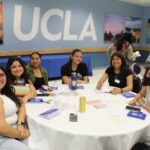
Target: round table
(104,126)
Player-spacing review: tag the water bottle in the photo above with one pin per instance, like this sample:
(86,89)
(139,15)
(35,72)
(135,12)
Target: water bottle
(74,81)
(82,104)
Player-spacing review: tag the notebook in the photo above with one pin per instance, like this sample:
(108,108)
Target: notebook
(128,94)
(138,115)
(51,113)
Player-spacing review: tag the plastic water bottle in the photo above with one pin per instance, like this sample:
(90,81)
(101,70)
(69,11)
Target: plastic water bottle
(74,81)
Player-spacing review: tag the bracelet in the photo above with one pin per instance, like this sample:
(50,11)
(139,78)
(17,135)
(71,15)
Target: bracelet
(20,124)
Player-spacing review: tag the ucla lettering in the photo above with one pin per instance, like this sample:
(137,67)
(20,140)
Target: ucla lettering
(88,29)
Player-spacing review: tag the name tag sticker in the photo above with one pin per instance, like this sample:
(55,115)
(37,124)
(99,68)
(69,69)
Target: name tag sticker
(117,81)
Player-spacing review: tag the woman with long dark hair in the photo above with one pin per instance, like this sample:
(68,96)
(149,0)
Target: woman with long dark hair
(75,64)
(37,74)
(118,74)
(143,97)
(12,117)
(19,78)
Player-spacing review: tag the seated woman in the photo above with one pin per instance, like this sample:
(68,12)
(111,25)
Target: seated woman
(145,92)
(12,117)
(118,75)
(143,98)
(75,64)
(37,74)
(19,79)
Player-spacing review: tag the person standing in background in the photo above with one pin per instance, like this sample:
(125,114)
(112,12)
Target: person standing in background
(37,74)
(75,64)
(124,46)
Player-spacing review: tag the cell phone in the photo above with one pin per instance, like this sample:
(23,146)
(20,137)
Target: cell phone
(133,108)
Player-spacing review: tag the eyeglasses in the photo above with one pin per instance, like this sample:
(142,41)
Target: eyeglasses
(2,75)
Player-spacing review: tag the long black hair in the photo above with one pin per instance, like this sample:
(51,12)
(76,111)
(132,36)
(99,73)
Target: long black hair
(123,64)
(8,90)
(146,80)
(125,37)
(10,62)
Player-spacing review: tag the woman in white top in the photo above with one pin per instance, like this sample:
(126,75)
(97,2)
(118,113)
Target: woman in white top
(12,117)
(145,92)
(18,77)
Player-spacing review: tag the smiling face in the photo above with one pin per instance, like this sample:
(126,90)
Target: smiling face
(116,62)
(77,58)
(35,60)
(16,69)
(2,79)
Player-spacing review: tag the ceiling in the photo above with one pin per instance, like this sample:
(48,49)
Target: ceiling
(137,2)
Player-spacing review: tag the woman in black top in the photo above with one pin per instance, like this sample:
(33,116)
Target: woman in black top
(118,74)
(75,64)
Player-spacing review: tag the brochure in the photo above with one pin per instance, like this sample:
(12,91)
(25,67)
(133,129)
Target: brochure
(128,95)
(53,112)
(35,100)
(138,115)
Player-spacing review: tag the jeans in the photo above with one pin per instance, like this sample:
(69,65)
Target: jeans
(12,144)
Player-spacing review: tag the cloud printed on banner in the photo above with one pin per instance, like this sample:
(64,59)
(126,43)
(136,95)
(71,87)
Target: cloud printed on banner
(114,25)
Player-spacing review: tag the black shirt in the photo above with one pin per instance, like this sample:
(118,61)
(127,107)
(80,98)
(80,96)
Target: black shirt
(81,70)
(118,80)
(38,82)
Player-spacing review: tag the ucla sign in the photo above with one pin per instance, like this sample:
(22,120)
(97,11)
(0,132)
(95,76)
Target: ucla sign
(40,23)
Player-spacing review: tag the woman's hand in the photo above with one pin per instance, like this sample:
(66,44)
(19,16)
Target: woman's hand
(24,99)
(23,132)
(133,102)
(141,101)
(115,91)
(99,85)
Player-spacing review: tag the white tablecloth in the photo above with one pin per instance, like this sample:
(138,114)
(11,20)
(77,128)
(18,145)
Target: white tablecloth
(104,128)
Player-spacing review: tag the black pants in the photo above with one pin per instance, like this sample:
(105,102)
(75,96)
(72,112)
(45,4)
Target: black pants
(140,146)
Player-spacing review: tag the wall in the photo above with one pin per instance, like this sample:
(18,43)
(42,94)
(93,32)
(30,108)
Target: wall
(145,30)
(80,24)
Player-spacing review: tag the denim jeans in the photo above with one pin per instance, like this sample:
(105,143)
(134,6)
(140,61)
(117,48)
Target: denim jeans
(12,144)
